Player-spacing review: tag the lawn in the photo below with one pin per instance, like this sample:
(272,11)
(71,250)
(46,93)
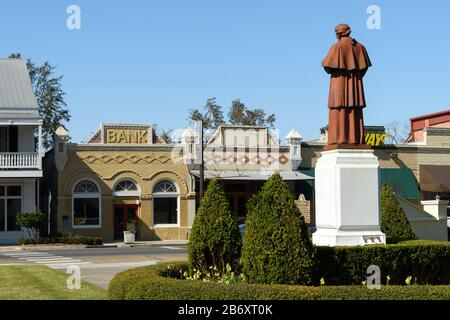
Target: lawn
(31,282)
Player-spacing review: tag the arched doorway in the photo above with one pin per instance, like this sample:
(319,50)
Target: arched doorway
(126,208)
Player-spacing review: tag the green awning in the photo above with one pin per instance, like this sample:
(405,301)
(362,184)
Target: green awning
(307,171)
(402,181)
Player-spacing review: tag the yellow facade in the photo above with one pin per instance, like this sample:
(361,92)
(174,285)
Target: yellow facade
(107,164)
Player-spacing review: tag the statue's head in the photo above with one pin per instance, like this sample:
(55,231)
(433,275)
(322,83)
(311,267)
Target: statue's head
(343,30)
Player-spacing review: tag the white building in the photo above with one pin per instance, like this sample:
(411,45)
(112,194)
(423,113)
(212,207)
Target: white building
(20,147)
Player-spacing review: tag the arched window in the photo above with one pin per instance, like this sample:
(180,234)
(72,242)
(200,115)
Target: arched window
(165,204)
(86,200)
(126,188)
(85,186)
(165,186)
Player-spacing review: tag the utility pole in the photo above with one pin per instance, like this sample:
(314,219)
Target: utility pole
(202,162)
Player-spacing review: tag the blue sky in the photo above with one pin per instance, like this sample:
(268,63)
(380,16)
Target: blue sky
(149,61)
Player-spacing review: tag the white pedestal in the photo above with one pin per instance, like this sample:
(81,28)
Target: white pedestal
(347,199)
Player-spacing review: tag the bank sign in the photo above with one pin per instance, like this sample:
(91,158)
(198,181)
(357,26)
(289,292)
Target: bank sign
(126,135)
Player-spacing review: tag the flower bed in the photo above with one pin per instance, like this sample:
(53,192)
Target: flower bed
(162,283)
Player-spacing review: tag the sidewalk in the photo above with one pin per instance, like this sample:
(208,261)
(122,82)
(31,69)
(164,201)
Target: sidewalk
(105,245)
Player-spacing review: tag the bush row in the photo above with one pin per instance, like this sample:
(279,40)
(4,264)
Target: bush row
(154,283)
(425,262)
(63,239)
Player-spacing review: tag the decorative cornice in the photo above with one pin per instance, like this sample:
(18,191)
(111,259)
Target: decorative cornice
(124,158)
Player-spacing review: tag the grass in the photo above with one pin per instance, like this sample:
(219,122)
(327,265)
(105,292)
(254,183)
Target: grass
(30,282)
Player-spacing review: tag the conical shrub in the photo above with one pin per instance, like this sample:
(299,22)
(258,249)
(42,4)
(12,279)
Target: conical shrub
(394,222)
(215,240)
(277,247)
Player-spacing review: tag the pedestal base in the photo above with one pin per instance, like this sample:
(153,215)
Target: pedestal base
(347,199)
(339,238)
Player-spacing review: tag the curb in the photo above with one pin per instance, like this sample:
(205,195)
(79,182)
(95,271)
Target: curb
(112,245)
(149,244)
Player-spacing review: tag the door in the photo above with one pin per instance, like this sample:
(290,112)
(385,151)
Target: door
(125,217)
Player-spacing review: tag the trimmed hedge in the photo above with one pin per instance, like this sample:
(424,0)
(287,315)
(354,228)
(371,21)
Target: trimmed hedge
(394,222)
(152,283)
(277,248)
(427,262)
(63,239)
(215,240)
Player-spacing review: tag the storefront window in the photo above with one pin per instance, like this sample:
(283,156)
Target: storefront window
(165,203)
(10,206)
(86,205)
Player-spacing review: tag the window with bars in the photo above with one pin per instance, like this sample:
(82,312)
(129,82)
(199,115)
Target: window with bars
(165,203)
(86,204)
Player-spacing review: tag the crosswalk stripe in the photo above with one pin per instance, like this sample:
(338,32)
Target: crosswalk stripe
(47,258)
(59,261)
(26,254)
(171,248)
(51,265)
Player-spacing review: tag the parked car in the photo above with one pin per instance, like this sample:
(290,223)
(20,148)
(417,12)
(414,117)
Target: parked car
(241,225)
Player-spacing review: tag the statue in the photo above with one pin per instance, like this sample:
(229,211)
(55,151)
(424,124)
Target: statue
(347,62)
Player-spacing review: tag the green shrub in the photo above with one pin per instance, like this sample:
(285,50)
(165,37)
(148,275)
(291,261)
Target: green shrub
(160,282)
(427,262)
(31,221)
(63,239)
(394,222)
(215,240)
(277,248)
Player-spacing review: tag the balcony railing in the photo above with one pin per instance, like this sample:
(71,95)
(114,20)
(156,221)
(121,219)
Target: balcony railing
(20,160)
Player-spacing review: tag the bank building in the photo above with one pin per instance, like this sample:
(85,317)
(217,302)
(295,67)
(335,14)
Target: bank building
(123,175)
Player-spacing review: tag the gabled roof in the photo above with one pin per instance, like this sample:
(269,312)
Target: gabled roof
(17,99)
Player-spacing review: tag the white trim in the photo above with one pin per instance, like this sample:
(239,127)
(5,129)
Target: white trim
(21,122)
(86,195)
(21,174)
(166,195)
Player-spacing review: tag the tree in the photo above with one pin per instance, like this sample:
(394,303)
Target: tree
(212,117)
(394,222)
(166,135)
(277,248)
(239,114)
(50,98)
(215,240)
(397,132)
(31,222)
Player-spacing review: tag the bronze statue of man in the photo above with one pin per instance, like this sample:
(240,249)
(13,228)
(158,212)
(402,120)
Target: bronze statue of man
(347,62)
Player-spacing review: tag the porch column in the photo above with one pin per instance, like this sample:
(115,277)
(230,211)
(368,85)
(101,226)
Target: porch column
(40,139)
(39,151)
